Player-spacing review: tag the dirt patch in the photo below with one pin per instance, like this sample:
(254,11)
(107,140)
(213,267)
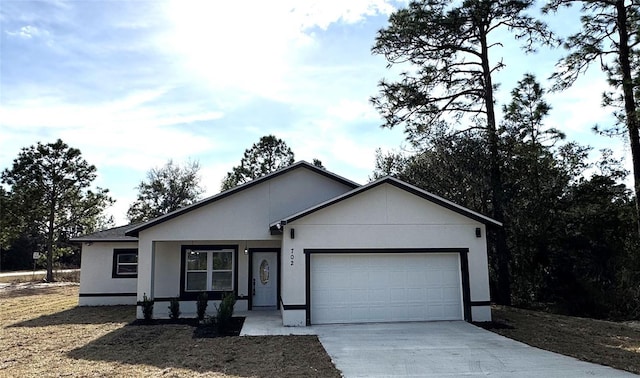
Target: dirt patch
(44,333)
(603,342)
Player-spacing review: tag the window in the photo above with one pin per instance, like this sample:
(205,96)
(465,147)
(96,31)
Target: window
(125,263)
(209,270)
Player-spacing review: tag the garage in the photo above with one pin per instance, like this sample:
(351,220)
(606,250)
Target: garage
(395,286)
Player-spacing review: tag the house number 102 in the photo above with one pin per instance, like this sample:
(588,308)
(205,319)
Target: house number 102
(291,257)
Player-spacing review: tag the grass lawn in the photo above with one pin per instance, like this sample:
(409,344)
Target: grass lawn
(607,343)
(44,334)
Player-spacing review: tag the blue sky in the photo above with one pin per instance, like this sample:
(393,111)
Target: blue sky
(136,83)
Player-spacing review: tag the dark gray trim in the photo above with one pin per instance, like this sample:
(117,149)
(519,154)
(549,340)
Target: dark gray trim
(114,267)
(464,268)
(213,295)
(301,164)
(480,303)
(168,299)
(387,250)
(277,251)
(401,185)
(291,307)
(294,307)
(89,295)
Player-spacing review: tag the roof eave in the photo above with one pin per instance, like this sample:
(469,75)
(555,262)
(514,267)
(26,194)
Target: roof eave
(135,232)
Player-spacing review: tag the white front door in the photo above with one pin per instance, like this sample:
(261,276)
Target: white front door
(265,279)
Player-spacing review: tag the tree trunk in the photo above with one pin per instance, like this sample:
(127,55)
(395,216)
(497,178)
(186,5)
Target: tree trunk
(503,257)
(631,116)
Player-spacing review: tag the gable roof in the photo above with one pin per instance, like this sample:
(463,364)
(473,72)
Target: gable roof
(398,184)
(300,164)
(116,234)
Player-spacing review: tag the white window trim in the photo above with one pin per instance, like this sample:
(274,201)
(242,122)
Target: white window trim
(119,264)
(210,269)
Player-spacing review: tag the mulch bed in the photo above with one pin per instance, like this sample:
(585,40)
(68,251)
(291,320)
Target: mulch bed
(204,329)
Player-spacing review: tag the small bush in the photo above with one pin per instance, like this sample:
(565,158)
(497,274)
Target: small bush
(174,308)
(147,307)
(224,312)
(203,301)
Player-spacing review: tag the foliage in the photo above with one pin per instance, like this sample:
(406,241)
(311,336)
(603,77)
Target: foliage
(610,37)
(202,303)
(570,235)
(50,200)
(147,307)
(166,189)
(224,312)
(266,156)
(445,49)
(174,308)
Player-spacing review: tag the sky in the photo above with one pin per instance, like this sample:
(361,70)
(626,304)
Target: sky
(135,83)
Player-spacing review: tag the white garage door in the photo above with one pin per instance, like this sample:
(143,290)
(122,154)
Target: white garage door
(361,288)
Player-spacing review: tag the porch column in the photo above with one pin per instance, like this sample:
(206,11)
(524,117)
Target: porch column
(146,270)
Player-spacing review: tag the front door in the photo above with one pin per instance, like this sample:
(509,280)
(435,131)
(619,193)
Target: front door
(265,279)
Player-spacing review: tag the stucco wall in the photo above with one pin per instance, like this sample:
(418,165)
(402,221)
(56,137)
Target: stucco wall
(241,219)
(96,269)
(383,217)
(246,215)
(166,275)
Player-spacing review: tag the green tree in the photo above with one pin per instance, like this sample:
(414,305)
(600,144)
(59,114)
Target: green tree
(50,188)
(450,73)
(534,182)
(593,270)
(266,156)
(166,189)
(610,36)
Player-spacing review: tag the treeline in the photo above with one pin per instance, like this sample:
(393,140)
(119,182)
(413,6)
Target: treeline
(569,223)
(570,235)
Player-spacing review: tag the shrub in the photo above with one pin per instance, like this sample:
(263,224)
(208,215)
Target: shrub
(203,301)
(147,307)
(174,308)
(224,312)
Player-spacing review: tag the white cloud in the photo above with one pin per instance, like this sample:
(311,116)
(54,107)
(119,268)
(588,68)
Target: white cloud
(352,110)
(27,32)
(143,136)
(253,46)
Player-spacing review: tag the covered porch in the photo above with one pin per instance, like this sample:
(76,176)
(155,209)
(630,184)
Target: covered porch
(250,269)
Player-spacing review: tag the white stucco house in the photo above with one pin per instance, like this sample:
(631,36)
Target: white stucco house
(317,247)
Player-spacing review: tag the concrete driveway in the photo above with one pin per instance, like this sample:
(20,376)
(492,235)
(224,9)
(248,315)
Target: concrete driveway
(444,349)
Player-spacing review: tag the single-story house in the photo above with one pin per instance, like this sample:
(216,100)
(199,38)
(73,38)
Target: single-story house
(315,246)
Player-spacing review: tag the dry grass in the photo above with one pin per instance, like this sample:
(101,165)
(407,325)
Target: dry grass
(606,343)
(28,276)
(44,334)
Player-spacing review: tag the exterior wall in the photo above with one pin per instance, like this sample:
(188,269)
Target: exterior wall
(166,275)
(382,217)
(246,215)
(96,282)
(241,219)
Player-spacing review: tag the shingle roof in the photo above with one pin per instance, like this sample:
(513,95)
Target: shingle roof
(116,234)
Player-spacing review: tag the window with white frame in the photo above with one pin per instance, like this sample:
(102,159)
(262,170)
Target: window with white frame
(209,270)
(125,263)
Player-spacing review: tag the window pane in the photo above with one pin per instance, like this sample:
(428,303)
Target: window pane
(196,260)
(127,269)
(127,258)
(197,281)
(222,281)
(222,260)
